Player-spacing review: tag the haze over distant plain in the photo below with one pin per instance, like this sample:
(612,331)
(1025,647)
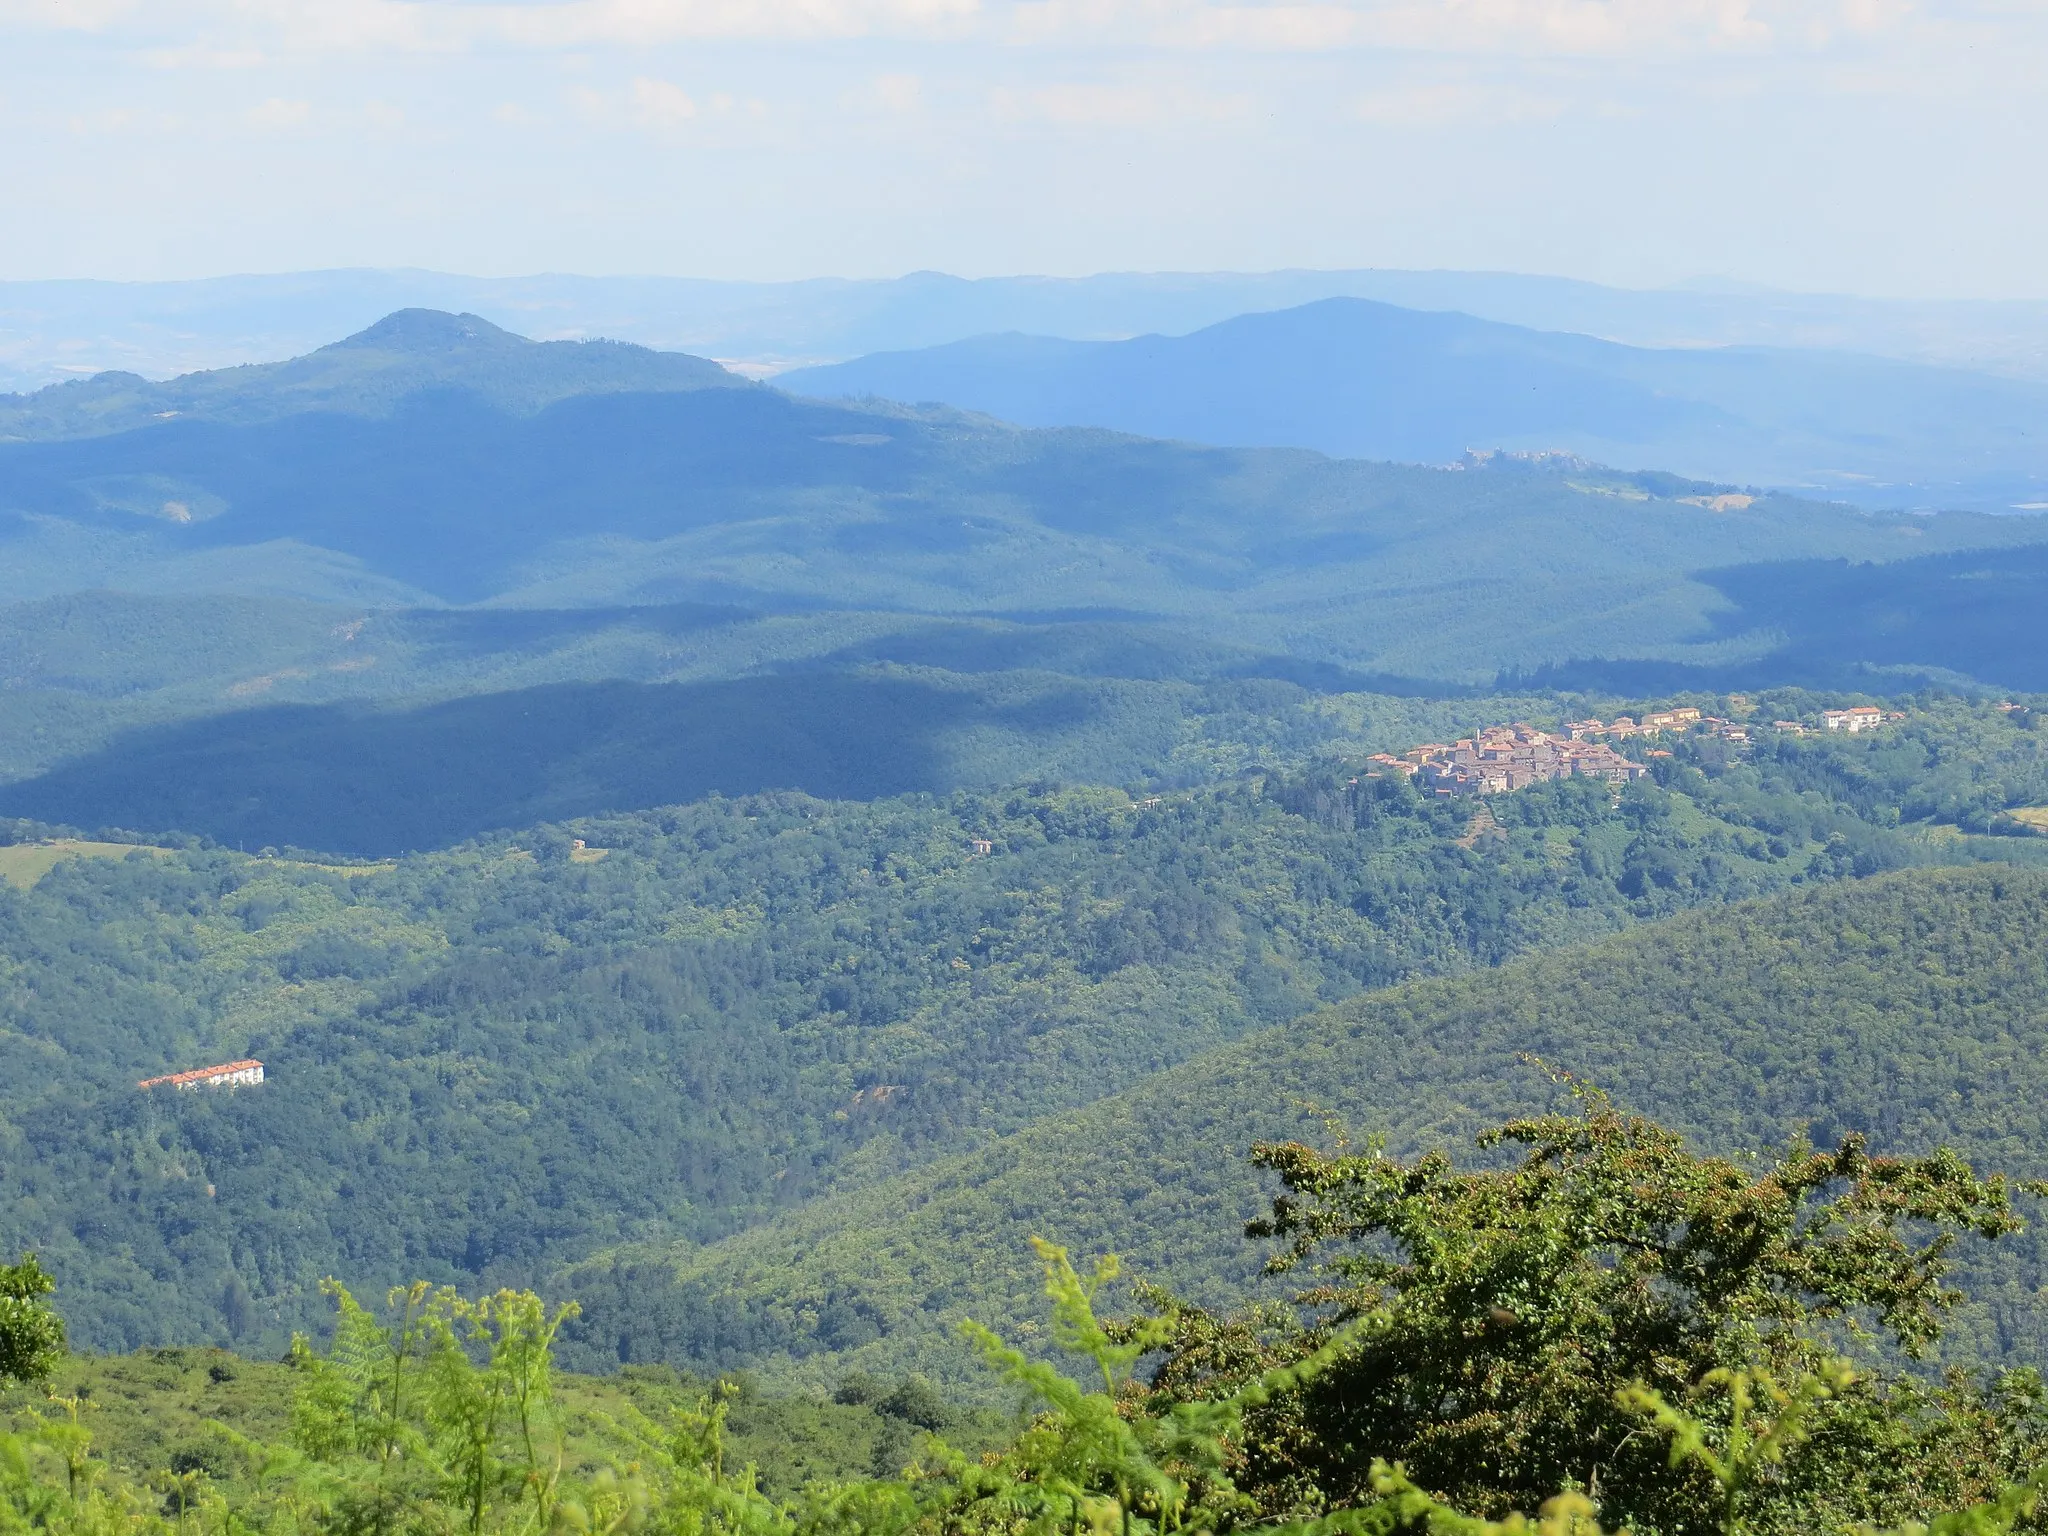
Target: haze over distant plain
(55,330)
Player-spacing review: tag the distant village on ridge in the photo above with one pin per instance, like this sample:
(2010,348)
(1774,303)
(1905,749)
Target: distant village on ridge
(1498,759)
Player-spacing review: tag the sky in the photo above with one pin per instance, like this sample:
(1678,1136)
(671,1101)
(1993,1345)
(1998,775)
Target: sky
(1860,146)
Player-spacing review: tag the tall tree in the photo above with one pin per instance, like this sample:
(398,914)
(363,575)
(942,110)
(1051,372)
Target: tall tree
(1509,1322)
(31,1335)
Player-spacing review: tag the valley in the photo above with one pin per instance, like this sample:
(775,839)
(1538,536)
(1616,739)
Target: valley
(998,768)
(1872,1004)
(604,830)
(488,1063)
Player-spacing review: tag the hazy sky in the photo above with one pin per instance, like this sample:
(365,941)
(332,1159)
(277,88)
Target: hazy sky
(1868,146)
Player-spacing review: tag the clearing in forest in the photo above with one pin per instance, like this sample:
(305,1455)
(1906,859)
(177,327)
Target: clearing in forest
(23,864)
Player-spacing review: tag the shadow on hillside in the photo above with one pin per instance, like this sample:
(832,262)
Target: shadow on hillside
(981,644)
(1974,614)
(361,779)
(491,631)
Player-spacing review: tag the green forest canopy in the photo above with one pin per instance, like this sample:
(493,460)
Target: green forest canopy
(491,1063)
(550,479)
(1911,1006)
(1606,1325)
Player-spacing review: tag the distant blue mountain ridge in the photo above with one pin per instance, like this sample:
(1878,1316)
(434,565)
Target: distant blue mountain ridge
(1358,379)
(434,460)
(408,353)
(436,578)
(54,330)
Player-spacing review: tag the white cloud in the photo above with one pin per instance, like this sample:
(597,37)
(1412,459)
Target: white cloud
(1111,105)
(94,124)
(442,26)
(65,15)
(647,102)
(279,112)
(1562,27)
(659,103)
(200,57)
(640,23)
(1456,102)
(897,93)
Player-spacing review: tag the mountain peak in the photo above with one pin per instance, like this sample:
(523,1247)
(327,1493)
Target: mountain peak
(369,373)
(428,331)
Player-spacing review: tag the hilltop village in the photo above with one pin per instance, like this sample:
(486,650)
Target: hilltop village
(1501,758)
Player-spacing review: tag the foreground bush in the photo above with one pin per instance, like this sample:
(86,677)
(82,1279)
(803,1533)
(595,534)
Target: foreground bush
(1611,1332)
(1512,1327)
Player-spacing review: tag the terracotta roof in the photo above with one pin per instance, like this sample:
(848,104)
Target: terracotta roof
(199,1074)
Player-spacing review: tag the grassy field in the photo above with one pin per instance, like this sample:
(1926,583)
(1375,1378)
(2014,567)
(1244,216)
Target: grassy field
(23,864)
(2032,816)
(350,871)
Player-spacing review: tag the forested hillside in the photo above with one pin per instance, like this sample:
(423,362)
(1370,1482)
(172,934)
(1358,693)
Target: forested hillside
(489,1062)
(1911,1006)
(420,465)
(79,670)
(399,731)
(1963,613)
(691,846)
(378,779)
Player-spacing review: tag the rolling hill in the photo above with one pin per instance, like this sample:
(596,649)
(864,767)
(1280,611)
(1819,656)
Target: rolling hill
(437,579)
(78,673)
(423,483)
(408,352)
(489,1063)
(1366,380)
(1912,1006)
(1964,613)
(373,780)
